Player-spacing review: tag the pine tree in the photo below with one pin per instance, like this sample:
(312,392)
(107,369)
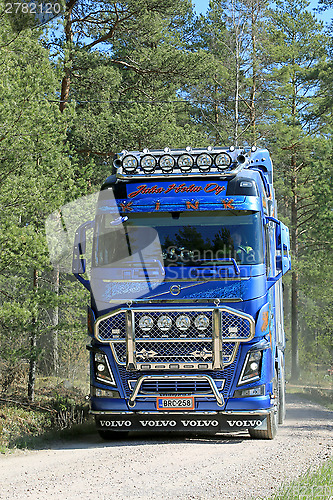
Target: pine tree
(297,50)
(33,162)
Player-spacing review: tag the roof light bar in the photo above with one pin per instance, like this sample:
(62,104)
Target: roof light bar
(187,161)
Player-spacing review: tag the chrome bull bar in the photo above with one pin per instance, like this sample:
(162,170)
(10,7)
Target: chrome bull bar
(207,378)
(217,345)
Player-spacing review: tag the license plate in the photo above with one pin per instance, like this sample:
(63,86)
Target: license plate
(174,403)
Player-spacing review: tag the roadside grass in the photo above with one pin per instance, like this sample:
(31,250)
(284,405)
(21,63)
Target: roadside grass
(312,486)
(58,412)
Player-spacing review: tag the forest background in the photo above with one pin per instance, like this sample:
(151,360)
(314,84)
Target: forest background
(107,76)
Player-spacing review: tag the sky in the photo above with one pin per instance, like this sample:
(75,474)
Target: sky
(201,7)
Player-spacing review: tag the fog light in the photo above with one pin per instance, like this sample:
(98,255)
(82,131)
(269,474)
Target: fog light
(103,393)
(253,391)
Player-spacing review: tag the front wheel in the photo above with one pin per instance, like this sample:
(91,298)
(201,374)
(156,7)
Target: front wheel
(272,418)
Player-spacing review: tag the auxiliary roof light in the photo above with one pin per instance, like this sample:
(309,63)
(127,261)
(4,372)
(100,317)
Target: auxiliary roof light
(222,161)
(204,162)
(185,163)
(130,164)
(167,162)
(148,164)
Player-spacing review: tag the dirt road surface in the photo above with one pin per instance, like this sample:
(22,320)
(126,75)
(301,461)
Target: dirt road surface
(171,467)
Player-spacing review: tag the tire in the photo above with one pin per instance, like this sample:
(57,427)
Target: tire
(272,418)
(112,435)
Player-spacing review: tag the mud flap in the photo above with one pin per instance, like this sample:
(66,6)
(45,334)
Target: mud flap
(181,422)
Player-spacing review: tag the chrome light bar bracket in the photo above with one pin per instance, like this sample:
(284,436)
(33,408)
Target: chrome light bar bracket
(130,341)
(217,341)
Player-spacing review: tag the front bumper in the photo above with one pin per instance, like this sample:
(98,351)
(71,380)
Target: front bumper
(210,422)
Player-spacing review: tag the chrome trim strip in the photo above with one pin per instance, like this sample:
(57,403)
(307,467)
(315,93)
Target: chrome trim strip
(218,396)
(230,412)
(185,301)
(130,341)
(217,341)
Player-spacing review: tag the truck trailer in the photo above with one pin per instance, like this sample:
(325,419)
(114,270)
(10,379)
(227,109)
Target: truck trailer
(186,311)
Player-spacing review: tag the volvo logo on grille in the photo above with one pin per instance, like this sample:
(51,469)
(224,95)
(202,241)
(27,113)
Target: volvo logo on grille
(175,290)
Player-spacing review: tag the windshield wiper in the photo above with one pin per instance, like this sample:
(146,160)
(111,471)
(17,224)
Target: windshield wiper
(225,260)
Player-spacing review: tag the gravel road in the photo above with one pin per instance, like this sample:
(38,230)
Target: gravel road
(161,466)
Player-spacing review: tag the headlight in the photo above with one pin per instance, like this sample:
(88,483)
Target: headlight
(148,164)
(130,164)
(201,322)
(222,161)
(185,163)
(146,323)
(204,162)
(102,369)
(167,163)
(183,322)
(164,323)
(252,367)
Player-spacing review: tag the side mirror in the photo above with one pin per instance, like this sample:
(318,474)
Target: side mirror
(79,250)
(283,261)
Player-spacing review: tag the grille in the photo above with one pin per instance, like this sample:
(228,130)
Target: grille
(175,386)
(234,327)
(112,328)
(167,336)
(168,352)
(174,352)
(178,386)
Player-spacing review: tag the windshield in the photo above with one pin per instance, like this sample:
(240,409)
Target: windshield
(186,238)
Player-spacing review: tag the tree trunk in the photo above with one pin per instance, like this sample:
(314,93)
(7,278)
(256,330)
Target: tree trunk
(55,323)
(254,75)
(294,275)
(33,347)
(68,61)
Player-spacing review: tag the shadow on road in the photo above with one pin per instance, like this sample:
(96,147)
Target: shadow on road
(302,416)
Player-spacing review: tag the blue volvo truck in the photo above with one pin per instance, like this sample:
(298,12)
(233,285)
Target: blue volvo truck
(186,312)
